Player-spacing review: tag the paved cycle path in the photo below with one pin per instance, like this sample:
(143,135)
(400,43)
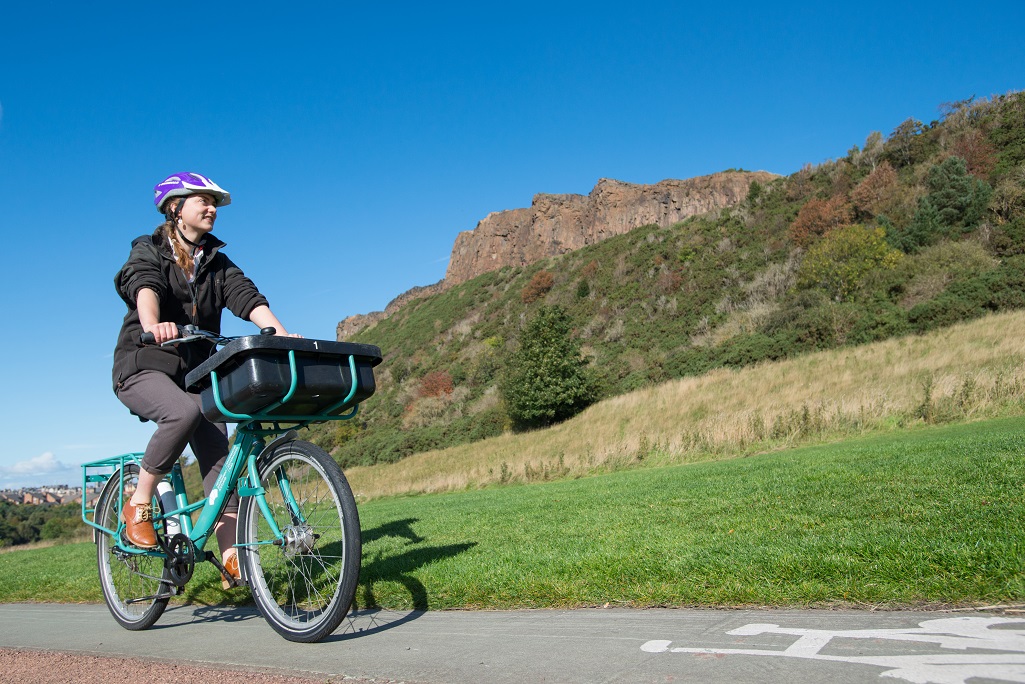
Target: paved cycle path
(594,645)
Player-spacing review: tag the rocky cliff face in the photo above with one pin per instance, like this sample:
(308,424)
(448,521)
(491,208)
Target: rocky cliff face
(556,224)
(353,324)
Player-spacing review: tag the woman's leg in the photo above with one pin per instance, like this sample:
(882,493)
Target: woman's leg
(225,529)
(210,444)
(154,396)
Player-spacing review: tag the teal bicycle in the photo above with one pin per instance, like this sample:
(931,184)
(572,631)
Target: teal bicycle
(298,536)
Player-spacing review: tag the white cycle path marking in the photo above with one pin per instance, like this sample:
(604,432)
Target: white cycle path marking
(998,646)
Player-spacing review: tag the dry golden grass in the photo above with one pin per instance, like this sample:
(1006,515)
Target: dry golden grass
(965,372)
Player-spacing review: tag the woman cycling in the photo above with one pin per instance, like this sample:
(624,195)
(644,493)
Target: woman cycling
(177,276)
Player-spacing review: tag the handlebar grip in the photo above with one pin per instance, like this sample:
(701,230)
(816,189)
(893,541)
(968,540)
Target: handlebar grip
(149,338)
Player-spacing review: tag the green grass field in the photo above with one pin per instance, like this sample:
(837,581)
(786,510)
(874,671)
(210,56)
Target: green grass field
(932,516)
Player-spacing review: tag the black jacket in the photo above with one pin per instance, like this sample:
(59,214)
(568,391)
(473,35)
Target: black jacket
(218,285)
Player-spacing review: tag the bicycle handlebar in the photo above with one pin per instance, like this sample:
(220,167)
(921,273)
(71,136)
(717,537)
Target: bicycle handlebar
(188,333)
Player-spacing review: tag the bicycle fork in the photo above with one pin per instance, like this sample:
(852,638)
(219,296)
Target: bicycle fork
(250,486)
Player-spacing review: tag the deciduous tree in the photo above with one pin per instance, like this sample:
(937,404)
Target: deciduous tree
(878,192)
(840,262)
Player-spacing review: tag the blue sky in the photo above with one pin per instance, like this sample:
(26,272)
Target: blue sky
(357,141)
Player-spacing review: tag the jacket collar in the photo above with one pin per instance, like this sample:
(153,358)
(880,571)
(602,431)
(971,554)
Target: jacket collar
(211,245)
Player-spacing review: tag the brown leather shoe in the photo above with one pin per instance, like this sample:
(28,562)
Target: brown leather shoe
(139,525)
(231,567)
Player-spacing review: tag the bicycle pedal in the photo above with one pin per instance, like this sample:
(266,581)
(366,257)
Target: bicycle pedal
(230,577)
(232,583)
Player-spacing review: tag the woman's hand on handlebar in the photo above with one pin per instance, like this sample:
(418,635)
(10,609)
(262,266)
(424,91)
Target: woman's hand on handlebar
(162,332)
(265,318)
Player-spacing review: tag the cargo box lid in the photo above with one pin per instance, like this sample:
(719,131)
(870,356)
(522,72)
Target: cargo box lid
(199,377)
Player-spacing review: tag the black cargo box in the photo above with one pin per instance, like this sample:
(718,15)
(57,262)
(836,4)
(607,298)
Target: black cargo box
(254,375)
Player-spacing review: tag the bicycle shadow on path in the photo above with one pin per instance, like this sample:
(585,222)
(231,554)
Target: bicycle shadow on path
(389,566)
(217,613)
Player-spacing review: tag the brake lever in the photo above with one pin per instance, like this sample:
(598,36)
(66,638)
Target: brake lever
(187,338)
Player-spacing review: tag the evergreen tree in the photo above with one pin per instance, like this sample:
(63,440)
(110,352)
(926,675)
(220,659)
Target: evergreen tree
(959,197)
(546,380)
(924,230)
(953,206)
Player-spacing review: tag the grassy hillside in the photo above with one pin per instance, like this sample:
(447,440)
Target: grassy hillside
(927,517)
(910,233)
(964,372)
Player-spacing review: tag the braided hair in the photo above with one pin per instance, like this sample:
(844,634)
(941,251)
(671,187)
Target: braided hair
(182,257)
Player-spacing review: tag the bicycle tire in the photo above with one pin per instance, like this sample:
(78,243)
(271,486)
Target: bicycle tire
(303,587)
(125,578)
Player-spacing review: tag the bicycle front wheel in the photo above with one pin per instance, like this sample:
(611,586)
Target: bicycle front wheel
(304,582)
(136,587)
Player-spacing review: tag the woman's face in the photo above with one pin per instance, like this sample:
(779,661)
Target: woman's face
(199,212)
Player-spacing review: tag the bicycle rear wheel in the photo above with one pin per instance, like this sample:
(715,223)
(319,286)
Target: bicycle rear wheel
(303,585)
(135,587)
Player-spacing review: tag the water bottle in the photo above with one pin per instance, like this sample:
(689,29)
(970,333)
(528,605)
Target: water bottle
(172,526)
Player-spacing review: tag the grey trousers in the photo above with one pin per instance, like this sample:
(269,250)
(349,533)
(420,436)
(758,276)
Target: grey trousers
(155,396)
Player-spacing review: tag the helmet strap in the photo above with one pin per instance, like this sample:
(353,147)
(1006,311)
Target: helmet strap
(182,236)
(175,216)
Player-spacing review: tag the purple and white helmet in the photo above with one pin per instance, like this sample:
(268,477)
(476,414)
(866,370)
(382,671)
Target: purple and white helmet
(185,184)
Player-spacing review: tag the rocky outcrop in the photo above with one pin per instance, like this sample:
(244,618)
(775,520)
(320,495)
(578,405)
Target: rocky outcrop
(556,224)
(353,324)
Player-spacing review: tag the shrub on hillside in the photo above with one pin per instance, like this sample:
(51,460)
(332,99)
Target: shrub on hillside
(1008,135)
(435,384)
(744,350)
(1009,238)
(754,191)
(929,272)
(818,217)
(996,290)
(880,319)
(538,287)
(1008,202)
(878,193)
